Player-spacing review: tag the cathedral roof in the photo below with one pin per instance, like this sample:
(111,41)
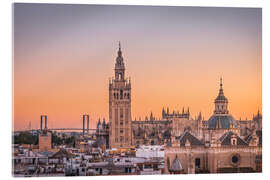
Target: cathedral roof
(225,139)
(187,136)
(221,121)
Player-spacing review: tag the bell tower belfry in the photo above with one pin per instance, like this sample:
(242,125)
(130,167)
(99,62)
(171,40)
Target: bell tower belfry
(120,106)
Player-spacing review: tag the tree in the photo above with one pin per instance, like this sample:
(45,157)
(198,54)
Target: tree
(25,138)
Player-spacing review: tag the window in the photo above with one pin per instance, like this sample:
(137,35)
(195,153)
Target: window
(120,76)
(121,94)
(233,141)
(197,162)
(121,113)
(116,115)
(121,131)
(235,159)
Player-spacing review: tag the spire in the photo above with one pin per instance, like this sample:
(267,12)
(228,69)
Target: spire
(119,46)
(151,116)
(119,50)
(200,116)
(221,88)
(221,93)
(163,112)
(221,83)
(119,65)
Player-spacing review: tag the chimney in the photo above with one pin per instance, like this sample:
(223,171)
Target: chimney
(87,124)
(41,120)
(45,122)
(83,124)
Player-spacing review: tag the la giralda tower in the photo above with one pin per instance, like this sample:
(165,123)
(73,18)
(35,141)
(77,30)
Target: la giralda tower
(120,105)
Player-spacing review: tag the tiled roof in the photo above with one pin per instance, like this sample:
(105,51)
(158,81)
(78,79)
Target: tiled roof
(192,139)
(46,153)
(225,139)
(62,153)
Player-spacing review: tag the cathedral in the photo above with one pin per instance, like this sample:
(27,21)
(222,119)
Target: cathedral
(218,146)
(192,145)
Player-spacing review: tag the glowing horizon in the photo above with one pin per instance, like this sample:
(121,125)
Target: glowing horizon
(64,56)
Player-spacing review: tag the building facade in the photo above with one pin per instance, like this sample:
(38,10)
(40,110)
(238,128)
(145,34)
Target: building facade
(219,147)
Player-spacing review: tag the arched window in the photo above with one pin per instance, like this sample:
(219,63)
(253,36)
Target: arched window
(197,163)
(120,75)
(121,94)
(128,95)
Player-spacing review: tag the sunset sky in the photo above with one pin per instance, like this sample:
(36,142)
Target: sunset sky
(64,56)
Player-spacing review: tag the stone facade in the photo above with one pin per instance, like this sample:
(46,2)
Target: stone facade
(223,155)
(120,106)
(45,140)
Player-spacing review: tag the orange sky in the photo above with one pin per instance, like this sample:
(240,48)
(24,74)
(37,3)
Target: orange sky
(62,65)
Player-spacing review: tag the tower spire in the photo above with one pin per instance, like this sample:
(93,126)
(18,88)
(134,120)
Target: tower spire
(119,50)
(119,46)
(221,83)
(221,93)
(221,101)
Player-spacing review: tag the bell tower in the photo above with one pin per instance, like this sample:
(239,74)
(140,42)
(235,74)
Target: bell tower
(120,105)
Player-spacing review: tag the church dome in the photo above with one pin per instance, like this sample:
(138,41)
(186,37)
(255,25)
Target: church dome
(221,121)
